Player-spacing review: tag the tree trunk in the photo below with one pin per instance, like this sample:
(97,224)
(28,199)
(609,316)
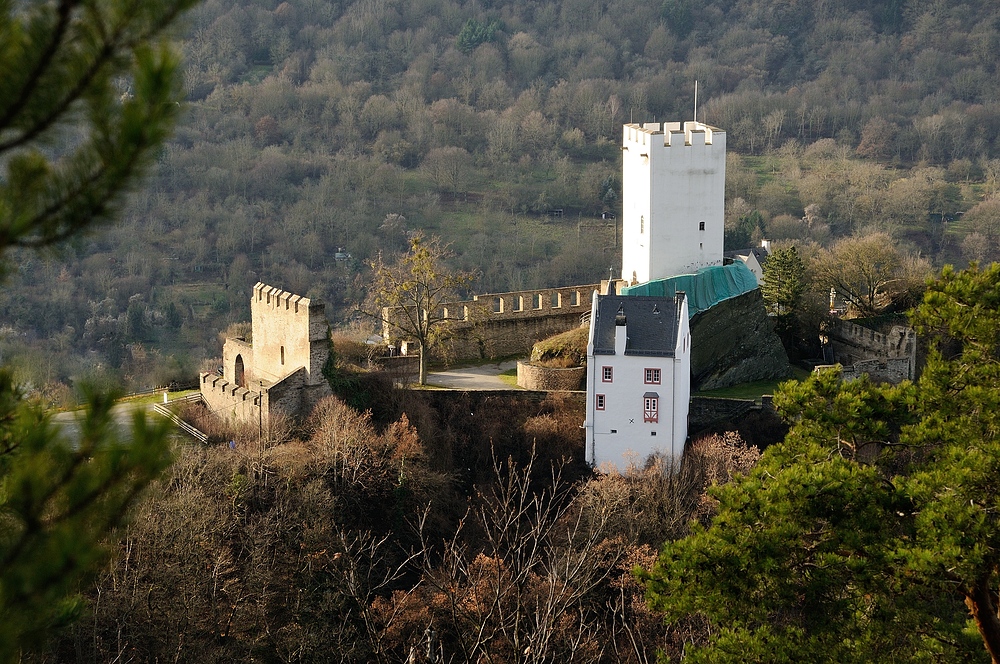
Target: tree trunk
(984,612)
(423,366)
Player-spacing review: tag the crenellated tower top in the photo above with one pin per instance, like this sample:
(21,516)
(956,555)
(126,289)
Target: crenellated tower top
(674,183)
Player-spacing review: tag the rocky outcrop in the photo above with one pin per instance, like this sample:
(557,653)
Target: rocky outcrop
(733,343)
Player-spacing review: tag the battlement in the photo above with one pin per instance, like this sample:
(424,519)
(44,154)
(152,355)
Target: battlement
(672,134)
(275,298)
(502,324)
(513,305)
(230,401)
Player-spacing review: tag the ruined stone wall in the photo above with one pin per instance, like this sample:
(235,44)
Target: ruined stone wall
(532,377)
(892,371)
(890,357)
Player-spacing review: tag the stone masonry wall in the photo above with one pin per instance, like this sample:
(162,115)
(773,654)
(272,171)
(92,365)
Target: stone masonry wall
(504,324)
(890,357)
(532,377)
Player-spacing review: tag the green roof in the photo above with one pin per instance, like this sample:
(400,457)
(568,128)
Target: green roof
(705,288)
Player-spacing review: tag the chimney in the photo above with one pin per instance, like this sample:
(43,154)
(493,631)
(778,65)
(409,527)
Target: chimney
(621,334)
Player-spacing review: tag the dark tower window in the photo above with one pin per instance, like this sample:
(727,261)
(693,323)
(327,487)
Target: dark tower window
(240,372)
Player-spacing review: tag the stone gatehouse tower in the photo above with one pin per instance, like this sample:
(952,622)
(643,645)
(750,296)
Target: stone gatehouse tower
(673,194)
(280,367)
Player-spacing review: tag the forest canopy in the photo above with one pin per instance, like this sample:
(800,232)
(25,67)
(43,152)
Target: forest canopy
(309,124)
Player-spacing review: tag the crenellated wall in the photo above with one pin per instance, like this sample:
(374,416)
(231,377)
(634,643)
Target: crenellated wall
(504,324)
(229,401)
(289,331)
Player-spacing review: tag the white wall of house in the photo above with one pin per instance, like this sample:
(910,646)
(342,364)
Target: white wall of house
(755,266)
(620,433)
(673,193)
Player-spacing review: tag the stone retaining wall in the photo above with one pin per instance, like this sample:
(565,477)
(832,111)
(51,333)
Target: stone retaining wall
(533,377)
(706,411)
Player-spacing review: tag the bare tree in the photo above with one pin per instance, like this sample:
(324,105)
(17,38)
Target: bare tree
(865,269)
(408,296)
(448,167)
(522,594)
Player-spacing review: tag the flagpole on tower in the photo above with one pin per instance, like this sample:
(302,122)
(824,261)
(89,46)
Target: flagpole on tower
(696,100)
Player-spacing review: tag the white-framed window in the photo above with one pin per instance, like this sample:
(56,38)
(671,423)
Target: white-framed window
(599,401)
(607,374)
(652,376)
(701,225)
(650,407)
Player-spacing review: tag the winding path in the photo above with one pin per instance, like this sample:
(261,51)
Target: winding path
(483,377)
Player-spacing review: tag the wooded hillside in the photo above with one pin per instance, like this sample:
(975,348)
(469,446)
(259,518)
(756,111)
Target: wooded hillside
(311,124)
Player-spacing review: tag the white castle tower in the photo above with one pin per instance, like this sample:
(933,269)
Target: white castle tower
(673,194)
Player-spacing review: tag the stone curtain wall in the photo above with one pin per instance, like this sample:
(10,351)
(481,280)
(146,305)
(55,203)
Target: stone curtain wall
(229,401)
(505,324)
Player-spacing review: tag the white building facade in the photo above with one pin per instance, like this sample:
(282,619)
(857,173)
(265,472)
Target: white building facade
(638,379)
(673,193)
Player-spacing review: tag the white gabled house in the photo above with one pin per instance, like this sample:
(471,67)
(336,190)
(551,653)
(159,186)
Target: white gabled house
(638,378)
(753,258)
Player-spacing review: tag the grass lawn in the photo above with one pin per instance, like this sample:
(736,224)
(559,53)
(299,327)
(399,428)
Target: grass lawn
(752,390)
(510,377)
(157,397)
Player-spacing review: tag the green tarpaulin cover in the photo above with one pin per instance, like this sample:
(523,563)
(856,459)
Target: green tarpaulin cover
(706,288)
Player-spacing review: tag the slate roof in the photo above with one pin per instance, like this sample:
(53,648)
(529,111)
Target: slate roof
(651,323)
(759,252)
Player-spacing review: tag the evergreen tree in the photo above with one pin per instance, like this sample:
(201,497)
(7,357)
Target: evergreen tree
(872,533)
(88,92)
(784,281)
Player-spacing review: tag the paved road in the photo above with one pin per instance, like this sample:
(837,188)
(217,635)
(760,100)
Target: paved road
(483,377)
(122,414)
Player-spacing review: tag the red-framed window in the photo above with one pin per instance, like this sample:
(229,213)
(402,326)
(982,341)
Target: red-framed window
(607,374)
(651,376)
(650,408)
(599,401)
